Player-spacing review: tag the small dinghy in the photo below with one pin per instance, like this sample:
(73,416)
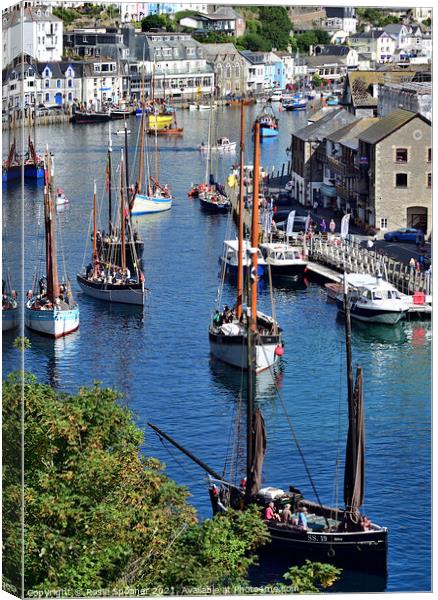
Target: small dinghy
(61,198)
(121,132)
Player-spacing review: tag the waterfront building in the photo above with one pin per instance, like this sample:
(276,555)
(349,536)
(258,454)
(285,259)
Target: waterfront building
(308,156)
(255,71)
(295,68)
(395,159)
(376,44)
(415,96)
(20,78)
(331,62)
(174,63)
(341,168)
(42,34)
(229,69)
(224,20)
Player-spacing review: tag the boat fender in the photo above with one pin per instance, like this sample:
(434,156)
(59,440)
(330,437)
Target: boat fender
(331,553)
(279,350)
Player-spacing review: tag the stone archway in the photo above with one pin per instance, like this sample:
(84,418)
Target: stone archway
(416,216)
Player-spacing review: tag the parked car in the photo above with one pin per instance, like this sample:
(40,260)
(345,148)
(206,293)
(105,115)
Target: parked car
(405,234)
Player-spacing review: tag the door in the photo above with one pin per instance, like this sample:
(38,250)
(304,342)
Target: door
(58,98)
(416,217)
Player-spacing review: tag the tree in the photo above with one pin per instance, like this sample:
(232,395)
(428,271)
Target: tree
(254,42)
(322,37)
(275,26)
(305,40)
(157,22)
(316,80)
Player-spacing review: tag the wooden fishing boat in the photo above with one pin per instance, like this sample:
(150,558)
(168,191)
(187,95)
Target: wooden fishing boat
(85,117)
(268,122)
(105,278)
(237,102)
(228,334)
(214,202)
(51,309)
(11,166)
(33,163)
(300,528)
(172,129)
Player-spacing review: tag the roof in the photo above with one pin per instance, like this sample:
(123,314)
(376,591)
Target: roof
(332,50)
(388,125)
(30,14)
(393,29)
(349,135)
(321,129)
(224,12)
(321,113)
(333,12)
(328,59)
(373,34)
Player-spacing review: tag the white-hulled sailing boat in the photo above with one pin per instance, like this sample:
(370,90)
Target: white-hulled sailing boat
(149,195)
(228,333)
(51,309)
(105,278)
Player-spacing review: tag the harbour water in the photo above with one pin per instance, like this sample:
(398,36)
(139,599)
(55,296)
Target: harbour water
(159,358)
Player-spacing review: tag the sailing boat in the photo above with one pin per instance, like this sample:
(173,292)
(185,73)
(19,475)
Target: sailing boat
(11,167)
(228,334)
(51,309)
(105,278)
(149,195)
(167,129)
(336,535)
(33,163)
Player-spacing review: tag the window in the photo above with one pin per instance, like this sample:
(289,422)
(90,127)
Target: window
(69,83)
(47,83)
(47,97)
(401,180)
(70,96)
(429,180)
(429,155)
(228,72)
(401,155)
(58,83)
(384,223)
(237,71)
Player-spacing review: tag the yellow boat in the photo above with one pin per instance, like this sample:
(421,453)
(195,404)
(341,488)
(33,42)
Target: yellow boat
(159,121)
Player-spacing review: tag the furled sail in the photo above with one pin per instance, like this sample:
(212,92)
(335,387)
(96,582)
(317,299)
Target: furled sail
(258,454)
(354,475)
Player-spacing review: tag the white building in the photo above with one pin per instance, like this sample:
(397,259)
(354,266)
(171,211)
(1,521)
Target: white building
(341,19)
(42,33)
(376,44)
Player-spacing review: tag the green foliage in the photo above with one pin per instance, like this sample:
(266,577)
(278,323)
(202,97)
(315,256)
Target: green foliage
(254,42)
(97,512)
(317,80)
(92,10)
(252,26)
(68,15)
(22,343)
(213,37)
(376,17)
(427,22)
(157,22)
(275,26)
(312,577)
(184,13)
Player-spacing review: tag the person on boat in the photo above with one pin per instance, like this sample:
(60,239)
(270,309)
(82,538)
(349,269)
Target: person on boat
(287,516)
(270,514)
(365,523)
(323,226)
(217,319)
(302,518)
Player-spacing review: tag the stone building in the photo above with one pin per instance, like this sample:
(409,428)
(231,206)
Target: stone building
(229,69)
(395,185)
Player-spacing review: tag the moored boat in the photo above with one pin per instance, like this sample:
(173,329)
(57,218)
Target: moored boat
(268,123)
(283,259)
(51,309)
(223,145)
(83,117)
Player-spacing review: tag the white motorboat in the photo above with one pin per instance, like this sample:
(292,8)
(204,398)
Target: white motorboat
(61,198)
(229,258)
(373,300)
(222,145)
(284,259)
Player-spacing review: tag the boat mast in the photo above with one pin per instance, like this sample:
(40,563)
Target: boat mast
(122,217)
(95,257)
(348,341)
(49,215)
(156,124)
(110,150)
(140,169)
(255,227)
(240,246)
(127,163)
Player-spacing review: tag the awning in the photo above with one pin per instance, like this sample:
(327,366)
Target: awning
(328,190)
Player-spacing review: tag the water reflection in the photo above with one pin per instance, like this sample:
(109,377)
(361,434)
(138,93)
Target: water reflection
(54,353)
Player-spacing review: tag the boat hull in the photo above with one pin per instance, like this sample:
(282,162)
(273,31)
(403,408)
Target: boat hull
(159,121)
(122,294)
(373,315)
(144,205)
(119,114)
(214,207)
(233,350)
(10,319)
(53,322)
(11,174)
(267,132)
(83,118)
(33,172)
(231,269)
(288,270)
(360,550)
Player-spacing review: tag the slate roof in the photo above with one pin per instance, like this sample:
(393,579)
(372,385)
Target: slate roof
(393,29)
(328,59)
(224,12)
(388,125)
(30,14)
(332,50)
(321,129)
(349,135)
(373,34)
(333,12)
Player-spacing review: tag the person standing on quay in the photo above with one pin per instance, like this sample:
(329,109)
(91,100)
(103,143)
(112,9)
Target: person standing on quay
(332,226)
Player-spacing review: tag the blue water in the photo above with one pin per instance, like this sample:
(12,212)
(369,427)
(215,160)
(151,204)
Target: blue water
(160,358)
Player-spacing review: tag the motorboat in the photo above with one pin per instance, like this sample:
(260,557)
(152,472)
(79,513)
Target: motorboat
(222,145)
(61,198)
(285,260)
(373,299)
(229,258)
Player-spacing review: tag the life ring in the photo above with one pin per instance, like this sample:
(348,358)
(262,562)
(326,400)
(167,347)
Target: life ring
(331,553)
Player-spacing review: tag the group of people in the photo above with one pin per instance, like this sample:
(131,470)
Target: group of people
(420,264)
(286,516)
(108,274)
(226,316)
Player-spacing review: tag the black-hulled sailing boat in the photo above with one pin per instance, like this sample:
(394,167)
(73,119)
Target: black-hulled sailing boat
(105,278)
(341,536)
(33,163)
(228,335)
(11,166)
(109,242)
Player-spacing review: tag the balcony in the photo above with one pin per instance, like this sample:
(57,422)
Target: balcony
(346,193)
